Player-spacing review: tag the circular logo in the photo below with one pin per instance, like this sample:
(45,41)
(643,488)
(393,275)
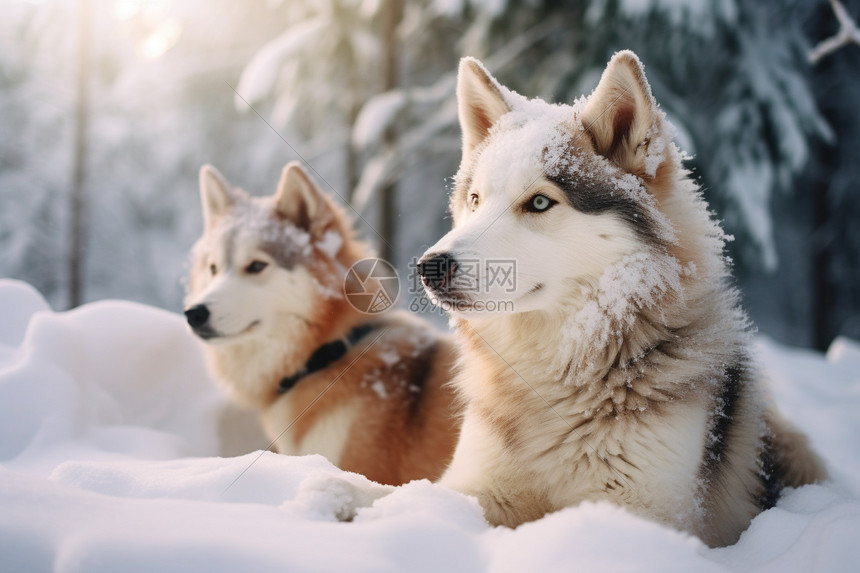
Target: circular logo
(371,286)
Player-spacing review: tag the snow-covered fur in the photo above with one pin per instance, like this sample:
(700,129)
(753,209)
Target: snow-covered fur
(618,367)
(266,290)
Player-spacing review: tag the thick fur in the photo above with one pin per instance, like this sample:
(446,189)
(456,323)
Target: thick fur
(622,372)
(270,272)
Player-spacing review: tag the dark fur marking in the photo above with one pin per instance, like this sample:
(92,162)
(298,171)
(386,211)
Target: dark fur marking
(726,409)
(668,347)
(593,196)
(268,231)
(664,346)
(771,476)
(286,256)
(628,462)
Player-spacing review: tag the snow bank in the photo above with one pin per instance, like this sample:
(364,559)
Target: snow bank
(110,379)
(110,428)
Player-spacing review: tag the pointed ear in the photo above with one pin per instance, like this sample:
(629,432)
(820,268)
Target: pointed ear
(480,103)
(215,195)
(620,113)
(301,201)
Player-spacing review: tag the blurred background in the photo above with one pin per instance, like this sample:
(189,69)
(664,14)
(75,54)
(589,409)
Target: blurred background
(109,107)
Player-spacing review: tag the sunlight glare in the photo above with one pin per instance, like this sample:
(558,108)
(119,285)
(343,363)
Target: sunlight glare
(162,39)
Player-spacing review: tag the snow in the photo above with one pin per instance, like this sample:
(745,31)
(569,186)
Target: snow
(330,243)
(379,388)
(637,281)
(657,146)
(251,222)
(258,77)
(389,357)
(755,181)
(115,454)
(699,17)
(376,116)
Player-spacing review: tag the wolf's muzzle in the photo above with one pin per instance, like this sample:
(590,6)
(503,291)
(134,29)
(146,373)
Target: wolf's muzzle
(437,270)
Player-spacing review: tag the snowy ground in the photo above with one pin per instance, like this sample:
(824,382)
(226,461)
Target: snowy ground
(110,432)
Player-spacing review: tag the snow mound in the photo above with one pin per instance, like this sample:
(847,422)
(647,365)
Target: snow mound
(108,379)
(21,302)
(110,432)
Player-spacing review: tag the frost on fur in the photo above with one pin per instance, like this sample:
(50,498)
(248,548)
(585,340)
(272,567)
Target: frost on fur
(639,281)
(330,244)
(625,323)
(622,117)
(252,221)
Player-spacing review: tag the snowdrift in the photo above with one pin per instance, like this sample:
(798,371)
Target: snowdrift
(119,453)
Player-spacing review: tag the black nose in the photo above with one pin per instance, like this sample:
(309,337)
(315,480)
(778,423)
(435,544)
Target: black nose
(197,316)
(437,270)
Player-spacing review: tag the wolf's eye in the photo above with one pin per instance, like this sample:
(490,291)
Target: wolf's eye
(213,269)
(539,204)
(256,267)
(474,201)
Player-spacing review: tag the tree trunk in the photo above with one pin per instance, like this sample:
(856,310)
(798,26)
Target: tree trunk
(354,101)
(391,16)
(78,203)
(822,289)
(352,167)
(825,158)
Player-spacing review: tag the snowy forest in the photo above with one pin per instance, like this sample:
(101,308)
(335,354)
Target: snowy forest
(110,107)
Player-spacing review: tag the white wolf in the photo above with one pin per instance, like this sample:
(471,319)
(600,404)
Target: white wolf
(267,295)
(620,368)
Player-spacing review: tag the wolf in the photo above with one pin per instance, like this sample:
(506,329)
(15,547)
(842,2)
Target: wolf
(266,295)
(619,367)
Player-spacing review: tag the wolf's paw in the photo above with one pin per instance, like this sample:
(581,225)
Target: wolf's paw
(329,497)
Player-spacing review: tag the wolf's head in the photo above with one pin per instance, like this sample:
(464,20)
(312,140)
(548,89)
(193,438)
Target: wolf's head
(548,197)
(266,266)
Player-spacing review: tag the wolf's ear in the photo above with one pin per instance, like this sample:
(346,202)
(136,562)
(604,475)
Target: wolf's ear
(620,113)
(301,201)
(480,103)
(215,195)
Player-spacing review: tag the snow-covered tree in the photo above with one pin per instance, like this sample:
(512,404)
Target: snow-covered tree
(159,109)
(733,77)
(34,162)
(317,72)
(172,83)
(833,178)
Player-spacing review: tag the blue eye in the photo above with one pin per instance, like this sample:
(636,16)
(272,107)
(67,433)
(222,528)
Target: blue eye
(538,204)
(256,267)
